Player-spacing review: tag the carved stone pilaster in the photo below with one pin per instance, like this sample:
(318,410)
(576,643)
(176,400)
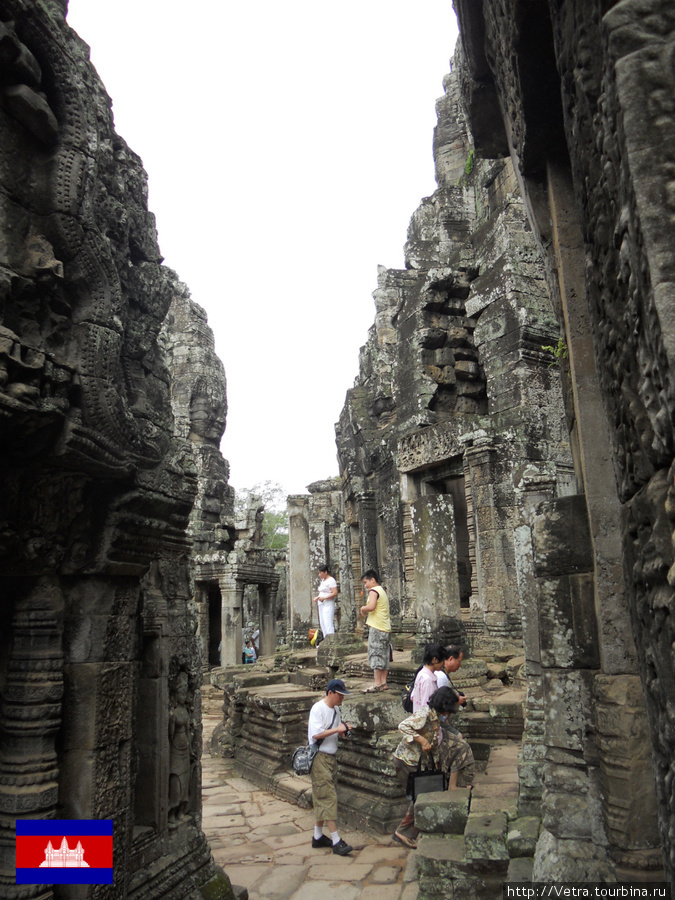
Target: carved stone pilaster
(30,718)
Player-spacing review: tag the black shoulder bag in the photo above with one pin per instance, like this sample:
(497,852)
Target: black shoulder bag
(424,781)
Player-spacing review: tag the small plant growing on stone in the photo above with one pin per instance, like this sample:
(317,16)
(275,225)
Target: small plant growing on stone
(559,352)
(468,168)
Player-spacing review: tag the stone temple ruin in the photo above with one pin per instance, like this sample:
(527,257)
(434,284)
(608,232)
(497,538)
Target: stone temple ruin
(505,463)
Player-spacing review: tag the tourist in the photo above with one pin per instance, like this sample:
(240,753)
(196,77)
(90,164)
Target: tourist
(249,653)
(324,727)
(421,737)
(325,601)
(379,634)
(425,682)
(451,665)
(455,752)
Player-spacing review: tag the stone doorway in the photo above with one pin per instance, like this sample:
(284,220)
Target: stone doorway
(452,482)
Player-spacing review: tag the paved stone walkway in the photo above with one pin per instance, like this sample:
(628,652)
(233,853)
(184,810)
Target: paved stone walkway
(264,844)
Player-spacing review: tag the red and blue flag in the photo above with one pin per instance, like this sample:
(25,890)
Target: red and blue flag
(64,851)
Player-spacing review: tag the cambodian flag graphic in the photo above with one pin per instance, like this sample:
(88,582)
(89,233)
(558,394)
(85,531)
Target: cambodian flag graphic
(64,851)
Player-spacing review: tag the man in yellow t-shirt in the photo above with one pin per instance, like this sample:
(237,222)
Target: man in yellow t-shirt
(379,634)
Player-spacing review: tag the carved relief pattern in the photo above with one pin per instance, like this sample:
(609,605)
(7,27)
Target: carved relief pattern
(30,717)
(95,488)
(620,123)
(83,168)
(617,83)
(650,563)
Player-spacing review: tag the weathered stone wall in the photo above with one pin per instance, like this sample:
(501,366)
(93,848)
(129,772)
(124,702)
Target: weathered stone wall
(456,402)
(99,663)
(584,90)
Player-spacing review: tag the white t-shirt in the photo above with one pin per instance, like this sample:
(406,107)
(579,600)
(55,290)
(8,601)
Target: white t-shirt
(320,718)
(442,679)
(326,586)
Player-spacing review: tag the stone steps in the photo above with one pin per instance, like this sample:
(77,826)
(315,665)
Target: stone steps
(472,841)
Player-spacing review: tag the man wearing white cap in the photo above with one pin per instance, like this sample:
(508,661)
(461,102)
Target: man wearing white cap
(324,727)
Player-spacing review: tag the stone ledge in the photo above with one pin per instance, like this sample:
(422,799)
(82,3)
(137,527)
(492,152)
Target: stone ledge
(444,812)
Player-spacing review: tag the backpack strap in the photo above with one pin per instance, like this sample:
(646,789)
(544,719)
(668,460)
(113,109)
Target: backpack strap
(321,740)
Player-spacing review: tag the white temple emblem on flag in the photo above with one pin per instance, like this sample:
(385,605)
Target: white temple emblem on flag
(64,857)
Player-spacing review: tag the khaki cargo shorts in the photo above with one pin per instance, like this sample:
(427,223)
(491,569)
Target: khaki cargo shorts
(324,787)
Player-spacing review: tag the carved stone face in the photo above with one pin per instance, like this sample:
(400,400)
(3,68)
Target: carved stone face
(207,420)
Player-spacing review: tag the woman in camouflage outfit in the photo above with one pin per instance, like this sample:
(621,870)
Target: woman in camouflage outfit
(423,736)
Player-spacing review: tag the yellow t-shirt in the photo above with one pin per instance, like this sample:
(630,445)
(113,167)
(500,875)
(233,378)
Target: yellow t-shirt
(379,617)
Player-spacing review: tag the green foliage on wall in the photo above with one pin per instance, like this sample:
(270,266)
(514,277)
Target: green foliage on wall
(559,352)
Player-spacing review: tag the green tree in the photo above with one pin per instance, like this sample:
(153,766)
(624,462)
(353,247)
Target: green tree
(275,517)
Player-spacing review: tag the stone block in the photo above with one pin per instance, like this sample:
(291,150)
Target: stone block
(506,709)
(522,836)
(437,856)
(485,836)
(567,708)
(568,860)
(444,812)
(568,628)
(520,870)
(496,670)
(573,816)
(561,538)
(333,649)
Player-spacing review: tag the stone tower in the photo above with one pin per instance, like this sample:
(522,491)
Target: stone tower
(100,665)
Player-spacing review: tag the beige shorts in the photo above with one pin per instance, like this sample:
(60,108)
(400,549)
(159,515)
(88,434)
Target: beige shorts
(324,787)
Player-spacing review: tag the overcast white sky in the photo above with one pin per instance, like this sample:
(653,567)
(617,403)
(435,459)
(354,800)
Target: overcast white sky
(287,144)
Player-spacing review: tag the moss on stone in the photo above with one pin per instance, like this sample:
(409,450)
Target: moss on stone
(217,888)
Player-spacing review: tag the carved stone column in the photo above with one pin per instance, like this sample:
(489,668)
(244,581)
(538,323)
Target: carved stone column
(30,718)
(299,585)
(232,592)
(268,638)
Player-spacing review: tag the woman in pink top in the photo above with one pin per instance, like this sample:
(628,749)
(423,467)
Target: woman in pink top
(425,683)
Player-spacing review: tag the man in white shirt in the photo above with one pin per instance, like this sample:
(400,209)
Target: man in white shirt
(451,665)
(325,601)
(324,727)
(456,754)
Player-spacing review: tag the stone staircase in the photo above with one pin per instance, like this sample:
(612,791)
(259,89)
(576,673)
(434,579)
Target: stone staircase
(472,841)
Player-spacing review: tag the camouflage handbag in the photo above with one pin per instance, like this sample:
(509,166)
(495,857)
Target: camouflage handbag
(303,757)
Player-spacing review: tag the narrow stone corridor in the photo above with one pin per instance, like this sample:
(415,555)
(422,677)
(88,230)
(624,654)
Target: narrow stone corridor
(264,844)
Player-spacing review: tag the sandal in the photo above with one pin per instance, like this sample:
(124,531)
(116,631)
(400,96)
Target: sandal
(382,687)
(403,840)
(371,690)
